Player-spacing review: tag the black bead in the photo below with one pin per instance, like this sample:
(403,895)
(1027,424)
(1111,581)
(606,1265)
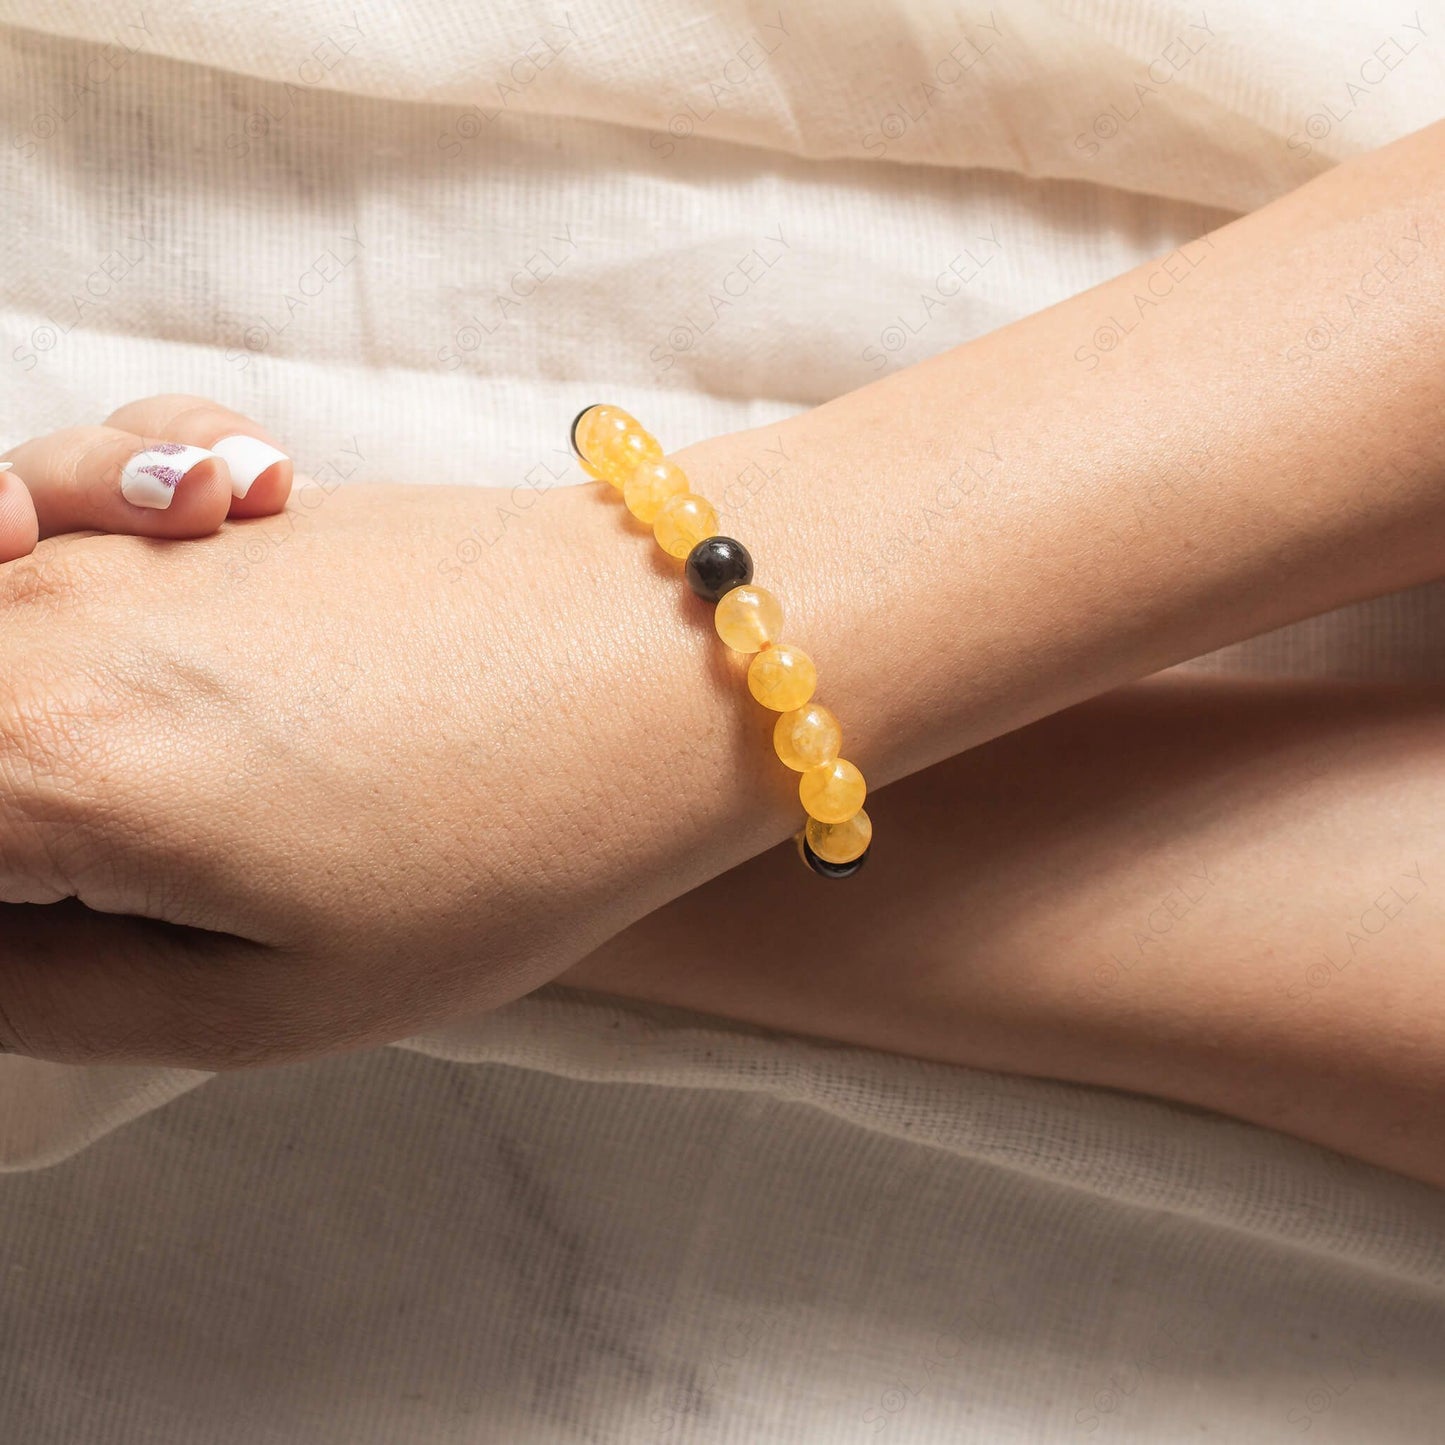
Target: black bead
(831,870)
(717,565)
(572,435)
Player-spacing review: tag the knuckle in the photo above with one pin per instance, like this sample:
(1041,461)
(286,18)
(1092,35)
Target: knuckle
(192,410)
(163,403)
(52,729)
(58,575)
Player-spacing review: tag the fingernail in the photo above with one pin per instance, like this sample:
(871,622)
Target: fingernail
(150,478)
(5,466)
(247,458)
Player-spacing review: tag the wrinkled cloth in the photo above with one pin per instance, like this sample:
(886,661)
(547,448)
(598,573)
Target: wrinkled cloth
(415,239)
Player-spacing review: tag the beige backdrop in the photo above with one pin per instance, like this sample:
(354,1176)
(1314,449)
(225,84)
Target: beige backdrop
(415,238)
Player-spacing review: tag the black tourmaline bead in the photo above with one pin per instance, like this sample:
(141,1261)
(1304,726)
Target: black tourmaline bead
(831,870)
(572,435)
(717,565)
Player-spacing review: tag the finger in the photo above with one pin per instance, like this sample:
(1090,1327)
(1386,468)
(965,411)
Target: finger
(97,478)
(19,527)
(78,986)
(261,473)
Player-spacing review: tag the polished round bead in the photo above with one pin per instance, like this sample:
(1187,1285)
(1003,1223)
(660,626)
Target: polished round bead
(717,565)
(782,677)
(806,737)
(682,522)
(652,484)
(823,868)
(748,618)
(624,451)
(594,426)
(840,842)
(832,792)
(614,444)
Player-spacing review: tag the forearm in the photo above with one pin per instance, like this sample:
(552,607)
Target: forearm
(1039,516)
(1224,893)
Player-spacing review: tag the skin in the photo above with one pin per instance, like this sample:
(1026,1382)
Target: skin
(1228,893)
(411,786)
(70,480)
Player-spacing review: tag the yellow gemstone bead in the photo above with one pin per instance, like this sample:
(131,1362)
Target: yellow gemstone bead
(840,842)
(782,677)
(832,792)
(625,451)
(748,618)
(614,444)
(650,486)
(806,737)
(596,429)
(682,522)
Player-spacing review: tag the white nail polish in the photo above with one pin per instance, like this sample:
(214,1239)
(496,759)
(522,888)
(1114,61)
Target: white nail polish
(5,466)
(247,458)
(150,478)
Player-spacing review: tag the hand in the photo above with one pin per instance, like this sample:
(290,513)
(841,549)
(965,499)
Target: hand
(351,770)
(167,466)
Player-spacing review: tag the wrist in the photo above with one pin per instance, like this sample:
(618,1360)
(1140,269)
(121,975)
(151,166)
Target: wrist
(679,752)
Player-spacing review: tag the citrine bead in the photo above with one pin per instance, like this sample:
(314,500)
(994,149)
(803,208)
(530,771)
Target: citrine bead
(650,485)
(806,737)
(748,618)
(625,452)
(682,522)
(832,792)
(717,565)
(593,427)
(614,444)
(781,677)
(840,842)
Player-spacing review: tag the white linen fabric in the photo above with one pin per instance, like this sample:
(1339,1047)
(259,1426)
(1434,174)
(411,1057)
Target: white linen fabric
(415,239)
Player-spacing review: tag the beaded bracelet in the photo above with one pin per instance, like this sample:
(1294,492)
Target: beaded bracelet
(613,447)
